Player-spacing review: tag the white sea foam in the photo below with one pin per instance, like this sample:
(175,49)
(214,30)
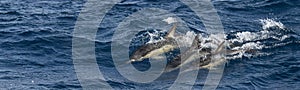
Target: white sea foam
(186,40)
(152,37)
(245,36)
(244,48)
(212,41)
(265,33)
(284,37)
(270,23)
(252,37)
(170,20)
(250,45)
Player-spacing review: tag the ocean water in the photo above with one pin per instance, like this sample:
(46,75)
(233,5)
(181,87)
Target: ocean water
(36,43)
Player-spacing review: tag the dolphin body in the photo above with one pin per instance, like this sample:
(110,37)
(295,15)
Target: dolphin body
(188,56)
(195,55)
(155,49)
(201,57)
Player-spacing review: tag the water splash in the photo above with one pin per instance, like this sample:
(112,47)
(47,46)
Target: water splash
(154,36)
(271,23)
(170,20)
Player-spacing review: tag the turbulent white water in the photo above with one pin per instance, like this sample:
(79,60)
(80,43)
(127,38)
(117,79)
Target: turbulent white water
(153,37)
(170,20)
(271,23)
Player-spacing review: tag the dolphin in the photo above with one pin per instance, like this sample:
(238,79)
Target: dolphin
(186,56)
(201,57)
(195,55)
(154,49)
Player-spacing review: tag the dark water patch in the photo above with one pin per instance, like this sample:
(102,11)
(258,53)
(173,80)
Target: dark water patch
(10,13)
(61,85)
(67,18)
(124,85)
(9,77)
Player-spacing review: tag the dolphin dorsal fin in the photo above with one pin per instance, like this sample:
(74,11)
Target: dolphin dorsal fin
(196,42)
(171,32)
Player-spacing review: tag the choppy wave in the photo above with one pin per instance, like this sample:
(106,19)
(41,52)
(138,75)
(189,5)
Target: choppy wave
(36,43)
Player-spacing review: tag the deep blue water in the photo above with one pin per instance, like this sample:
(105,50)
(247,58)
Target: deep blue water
(36,43)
